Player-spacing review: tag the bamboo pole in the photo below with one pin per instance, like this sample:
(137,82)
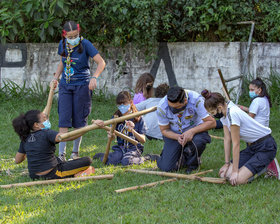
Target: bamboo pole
(121,135)
(48,107)
(111,121)
(217,137)
(181,176)
(43,182)
(144,185)
(202,172)
(105,158)
(224,84)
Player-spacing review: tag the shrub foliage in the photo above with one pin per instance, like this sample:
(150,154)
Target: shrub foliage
(118,22)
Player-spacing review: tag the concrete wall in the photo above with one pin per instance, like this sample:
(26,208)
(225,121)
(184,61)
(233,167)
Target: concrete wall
(190,65)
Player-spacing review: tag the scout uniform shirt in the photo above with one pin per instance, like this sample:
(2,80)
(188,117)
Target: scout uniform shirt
(190,117)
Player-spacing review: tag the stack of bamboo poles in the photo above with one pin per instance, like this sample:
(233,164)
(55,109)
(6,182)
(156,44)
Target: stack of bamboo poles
(175,176)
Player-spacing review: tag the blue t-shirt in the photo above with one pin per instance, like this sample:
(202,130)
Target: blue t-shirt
(140,127)
(79,63)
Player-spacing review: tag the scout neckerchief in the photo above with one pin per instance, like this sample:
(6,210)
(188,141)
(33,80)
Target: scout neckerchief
(68,71)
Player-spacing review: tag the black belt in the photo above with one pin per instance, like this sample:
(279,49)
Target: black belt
(259,140)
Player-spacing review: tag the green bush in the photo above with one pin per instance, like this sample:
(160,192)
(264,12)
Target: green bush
(118,22)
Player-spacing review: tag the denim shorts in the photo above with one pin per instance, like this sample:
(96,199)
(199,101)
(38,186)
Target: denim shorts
(256,157)
(74,105)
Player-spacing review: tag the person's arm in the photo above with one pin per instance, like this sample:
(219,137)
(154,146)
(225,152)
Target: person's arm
(100,67)
(58,72)
(140,137)
(20,157)
(227,146)
(168,133)
(252,115)
(208,123)
(246,109)
(97,122)
(235,136)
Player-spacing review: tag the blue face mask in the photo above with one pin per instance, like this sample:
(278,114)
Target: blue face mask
(47,125)
(123,108)
(252,94)
(73,42)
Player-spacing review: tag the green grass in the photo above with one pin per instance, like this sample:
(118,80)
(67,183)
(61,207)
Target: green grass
(96,202)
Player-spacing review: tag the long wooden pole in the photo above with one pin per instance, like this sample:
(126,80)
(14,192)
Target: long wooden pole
(144,185)
(121,135)
(108,122)
(181,176)
(48,107)
(224,84)
(217,137)
(105,158)
(32,183)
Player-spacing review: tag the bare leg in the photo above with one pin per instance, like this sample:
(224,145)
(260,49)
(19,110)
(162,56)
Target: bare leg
(62,145)
(243,174)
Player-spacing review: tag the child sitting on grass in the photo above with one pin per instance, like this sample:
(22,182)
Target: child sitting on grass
(38,144)
(126,153)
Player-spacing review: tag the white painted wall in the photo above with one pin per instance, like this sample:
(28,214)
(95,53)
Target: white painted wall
(195,64)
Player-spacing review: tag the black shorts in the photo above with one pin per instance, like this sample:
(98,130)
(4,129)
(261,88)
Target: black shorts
(257,156)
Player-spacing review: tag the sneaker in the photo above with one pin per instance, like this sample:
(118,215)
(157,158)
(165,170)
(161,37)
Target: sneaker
(273,169)
(151,157)
(98,156)
(74,155)
(62,157)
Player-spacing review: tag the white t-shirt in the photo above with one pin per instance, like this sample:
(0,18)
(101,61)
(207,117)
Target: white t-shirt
(150,119)
(250,129)
(260,107)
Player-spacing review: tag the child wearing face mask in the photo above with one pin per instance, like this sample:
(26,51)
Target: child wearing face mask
(77,82)
(124,152)
(38,144)
(260,106)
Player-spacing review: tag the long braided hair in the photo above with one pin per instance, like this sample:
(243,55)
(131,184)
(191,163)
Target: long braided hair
(70,26)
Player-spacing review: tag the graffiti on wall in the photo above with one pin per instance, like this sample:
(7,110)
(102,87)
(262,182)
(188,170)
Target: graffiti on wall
(163,54)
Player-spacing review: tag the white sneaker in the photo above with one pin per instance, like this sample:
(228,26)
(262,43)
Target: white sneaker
(62,157)
(74,155)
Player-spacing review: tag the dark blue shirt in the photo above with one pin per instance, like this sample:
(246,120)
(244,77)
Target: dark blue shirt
(139,127)
(79,63)
(39,147)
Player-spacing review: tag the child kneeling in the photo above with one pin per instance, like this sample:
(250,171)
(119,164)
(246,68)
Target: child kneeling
(126,153)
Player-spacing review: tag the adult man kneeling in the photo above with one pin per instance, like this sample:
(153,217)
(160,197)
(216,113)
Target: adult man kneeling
(183,122)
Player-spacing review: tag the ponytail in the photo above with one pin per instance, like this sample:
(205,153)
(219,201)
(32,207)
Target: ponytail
(23,124)
(258,82)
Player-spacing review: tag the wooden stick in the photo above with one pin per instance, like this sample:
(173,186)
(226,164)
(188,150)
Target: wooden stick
(225,92)
(145,185)
(202,172)
(105,158)
(224,84)
(121,135)
(111,121)
(181,176)
(32,183)
(217,137)
(48,107)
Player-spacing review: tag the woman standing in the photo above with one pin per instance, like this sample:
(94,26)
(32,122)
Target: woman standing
(76,84)
(261,147)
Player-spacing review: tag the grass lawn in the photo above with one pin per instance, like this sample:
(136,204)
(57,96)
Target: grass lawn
(96,202)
